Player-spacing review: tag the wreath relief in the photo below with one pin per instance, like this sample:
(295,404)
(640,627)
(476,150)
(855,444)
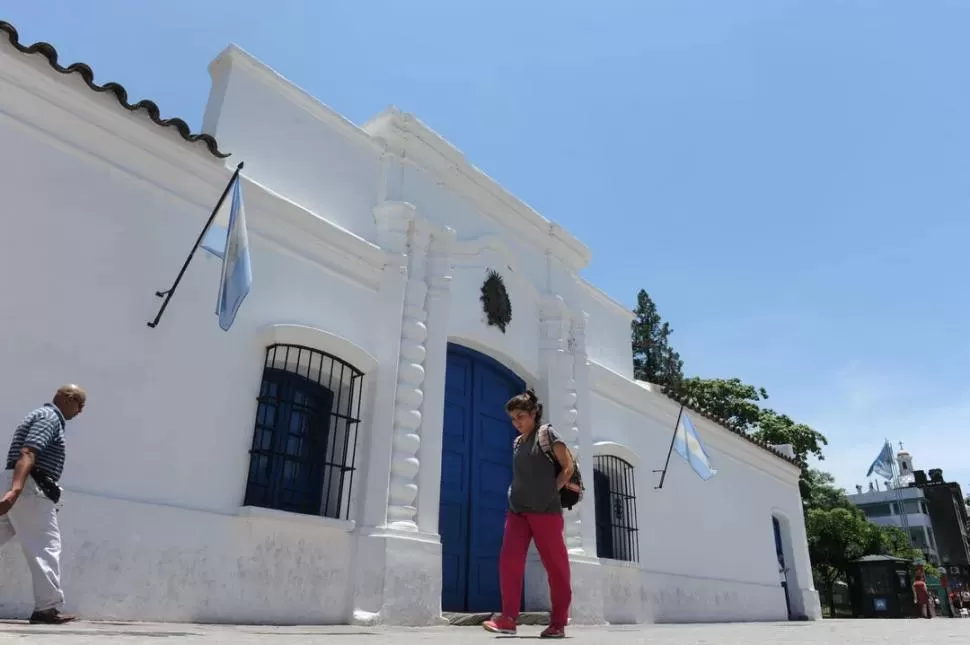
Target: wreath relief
(495,301)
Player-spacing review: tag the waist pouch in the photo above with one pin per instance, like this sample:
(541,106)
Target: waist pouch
(47,486)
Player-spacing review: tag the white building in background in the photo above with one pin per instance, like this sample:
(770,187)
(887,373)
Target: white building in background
(906,508)
(885,508)
(341,454)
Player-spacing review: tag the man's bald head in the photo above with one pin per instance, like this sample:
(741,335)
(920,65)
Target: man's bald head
(70,400)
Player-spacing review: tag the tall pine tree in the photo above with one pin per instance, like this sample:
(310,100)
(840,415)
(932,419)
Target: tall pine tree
(654,360)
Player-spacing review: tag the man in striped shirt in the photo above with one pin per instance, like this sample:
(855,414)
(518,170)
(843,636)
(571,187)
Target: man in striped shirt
(28,509)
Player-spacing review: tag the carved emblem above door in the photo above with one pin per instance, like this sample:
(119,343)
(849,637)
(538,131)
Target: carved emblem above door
(495,301)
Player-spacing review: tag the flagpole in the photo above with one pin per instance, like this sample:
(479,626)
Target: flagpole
(171,290)
(670,450)
(903,520)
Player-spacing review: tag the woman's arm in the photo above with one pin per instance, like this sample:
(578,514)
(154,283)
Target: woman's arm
(565,459)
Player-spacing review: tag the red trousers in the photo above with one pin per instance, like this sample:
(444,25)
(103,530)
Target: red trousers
(547,530)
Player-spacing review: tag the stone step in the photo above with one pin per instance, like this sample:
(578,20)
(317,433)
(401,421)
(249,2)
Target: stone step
(472,620)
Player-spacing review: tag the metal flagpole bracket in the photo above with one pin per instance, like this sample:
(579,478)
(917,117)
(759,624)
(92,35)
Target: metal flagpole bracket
(670,450)
(168,293)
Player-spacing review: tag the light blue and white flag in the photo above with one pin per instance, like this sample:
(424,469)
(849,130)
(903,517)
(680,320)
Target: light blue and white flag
(883,464)
(688,445)
(237,274)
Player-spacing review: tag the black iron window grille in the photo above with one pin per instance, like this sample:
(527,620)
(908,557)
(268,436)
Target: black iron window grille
(305,441)
(615,502)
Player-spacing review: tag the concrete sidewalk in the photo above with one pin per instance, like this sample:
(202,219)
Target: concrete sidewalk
(939,631)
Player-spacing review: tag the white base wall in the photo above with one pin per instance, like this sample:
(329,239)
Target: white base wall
(133,561)
(398,579)
(632,595)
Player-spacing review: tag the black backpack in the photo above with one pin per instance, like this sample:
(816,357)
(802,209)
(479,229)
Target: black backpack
(568,498)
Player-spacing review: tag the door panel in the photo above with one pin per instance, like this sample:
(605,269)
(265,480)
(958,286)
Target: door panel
(476,473)
(453,522)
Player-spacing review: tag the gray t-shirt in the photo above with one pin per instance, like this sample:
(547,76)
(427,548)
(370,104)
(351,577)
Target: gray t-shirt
(533,488)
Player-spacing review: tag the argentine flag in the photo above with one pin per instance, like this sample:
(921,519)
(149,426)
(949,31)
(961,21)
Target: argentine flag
(237,274)
(883,464)
(688,445)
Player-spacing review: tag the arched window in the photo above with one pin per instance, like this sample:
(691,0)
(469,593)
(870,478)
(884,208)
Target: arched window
(615,501)
(305,441)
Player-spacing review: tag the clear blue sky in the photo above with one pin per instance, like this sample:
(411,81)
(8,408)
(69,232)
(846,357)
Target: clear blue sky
(788,179)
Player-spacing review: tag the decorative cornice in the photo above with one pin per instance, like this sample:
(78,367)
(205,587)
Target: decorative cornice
(236,55)
(605,300)
(394,221)
(425,149)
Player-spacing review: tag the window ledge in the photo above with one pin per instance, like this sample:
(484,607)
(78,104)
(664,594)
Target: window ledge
(258,512)
(620,563)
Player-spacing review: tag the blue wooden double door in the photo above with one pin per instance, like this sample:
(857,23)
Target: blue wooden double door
(476,470)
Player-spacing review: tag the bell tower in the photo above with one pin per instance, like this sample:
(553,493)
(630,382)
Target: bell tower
(905,462)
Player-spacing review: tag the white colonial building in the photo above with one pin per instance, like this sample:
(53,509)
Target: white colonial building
(341,454)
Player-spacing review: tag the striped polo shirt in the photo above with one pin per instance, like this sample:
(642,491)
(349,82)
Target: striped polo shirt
(42,430)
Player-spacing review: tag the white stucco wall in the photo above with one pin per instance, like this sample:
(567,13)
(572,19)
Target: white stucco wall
(378,237)
(707,549)
(94,224)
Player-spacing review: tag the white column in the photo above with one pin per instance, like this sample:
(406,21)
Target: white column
(403,490)
(559,391)
(554,362)
(804,597)
(439,277)
(393,221)
(586,530)
(565,391)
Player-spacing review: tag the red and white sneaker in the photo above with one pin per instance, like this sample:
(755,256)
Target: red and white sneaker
(553,632)
(500,625)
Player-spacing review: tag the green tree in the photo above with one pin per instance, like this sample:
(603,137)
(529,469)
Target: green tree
(820,492)
(836,537)
(654,359)
(725,398)
(892,540)
(778,428)
(738,403)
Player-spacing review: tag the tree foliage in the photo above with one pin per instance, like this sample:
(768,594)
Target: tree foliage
(775,428)
(820,492)
(836,537)
(731,399)
(738,403)
(725,398)
(654,359)
(838,531)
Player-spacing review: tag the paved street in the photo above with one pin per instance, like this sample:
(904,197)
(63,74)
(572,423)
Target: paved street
(842,632)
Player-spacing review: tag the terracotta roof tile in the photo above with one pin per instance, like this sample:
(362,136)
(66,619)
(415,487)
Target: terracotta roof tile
(47,51)
(726,425)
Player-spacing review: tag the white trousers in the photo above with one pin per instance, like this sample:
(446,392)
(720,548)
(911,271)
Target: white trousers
(33,521)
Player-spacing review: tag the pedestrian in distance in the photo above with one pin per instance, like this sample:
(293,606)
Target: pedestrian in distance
(921,596)
(543,472)
(28,510)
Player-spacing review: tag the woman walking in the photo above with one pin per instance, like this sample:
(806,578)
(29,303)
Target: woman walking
(921,596)
(535,512)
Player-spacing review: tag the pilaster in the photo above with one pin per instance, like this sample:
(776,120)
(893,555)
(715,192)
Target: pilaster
(439,277)
(393,221)
(581,528)
(403,490)
(554,368)
(564,389)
